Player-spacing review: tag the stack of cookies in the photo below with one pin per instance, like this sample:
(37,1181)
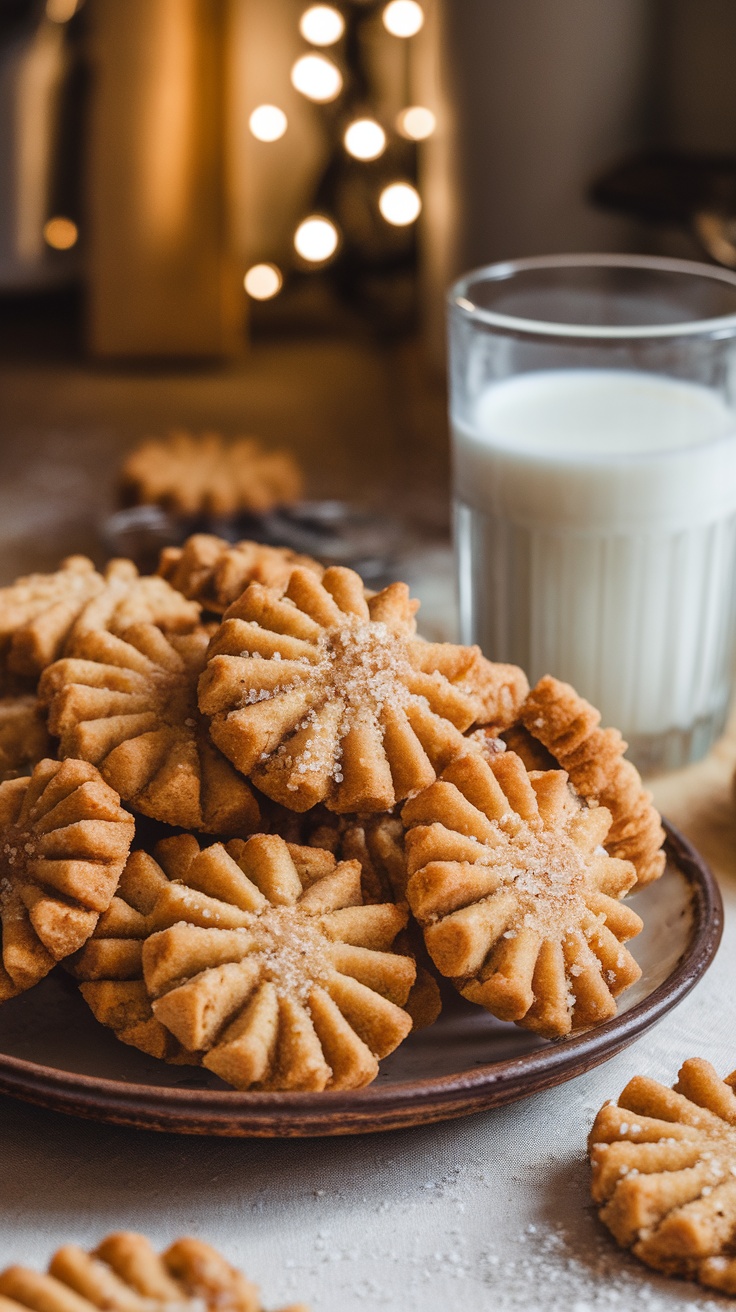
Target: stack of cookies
(259,818)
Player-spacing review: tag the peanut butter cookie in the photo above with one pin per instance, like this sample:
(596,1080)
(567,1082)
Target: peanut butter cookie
(129,705)
(518,900)
(64,839)
(125,1274)
(321,695)
(664,1173)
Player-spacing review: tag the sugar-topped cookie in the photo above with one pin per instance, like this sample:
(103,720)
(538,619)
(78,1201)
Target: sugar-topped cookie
(129,705)
(664,1173)
(64,839)
(320,694)
(568,727)
(518,900)
(263,959)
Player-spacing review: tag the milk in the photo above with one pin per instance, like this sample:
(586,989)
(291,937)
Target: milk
(598,508)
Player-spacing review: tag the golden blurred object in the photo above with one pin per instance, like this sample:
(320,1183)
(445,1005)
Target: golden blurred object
(365,139)
(416,122)
(191,473)
(316,239)
(268,123)
(60,233)
(317,78)
(124,1273)
(322,25)
(164,278)
(263,281)
(400,204)
(403,18)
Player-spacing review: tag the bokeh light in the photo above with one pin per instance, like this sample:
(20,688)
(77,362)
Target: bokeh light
(317,78)
(316,239)
(416,123)
(263,281)
(400,204)
(322,25)
(60,233)
(268,123)
(365,139)
(403,18)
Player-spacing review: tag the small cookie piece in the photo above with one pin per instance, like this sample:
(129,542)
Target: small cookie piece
(320,694)
(43,615)
(517,899)
(64,839)
(568,727)
(129,705)
(192,473)
(268,965)
(214,572)
(125,1274)
(664,1173)
(24,739)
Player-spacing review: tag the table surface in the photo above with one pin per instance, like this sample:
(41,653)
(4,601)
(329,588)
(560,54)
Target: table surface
(492,1211)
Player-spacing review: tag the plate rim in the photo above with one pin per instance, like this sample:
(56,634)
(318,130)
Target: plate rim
(379,1107)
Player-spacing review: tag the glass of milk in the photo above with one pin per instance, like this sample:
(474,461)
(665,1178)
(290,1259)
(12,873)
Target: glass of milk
(593,410)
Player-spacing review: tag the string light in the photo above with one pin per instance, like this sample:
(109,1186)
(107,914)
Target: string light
(316,239)
(322,25)
(263,281)
(60,11)
(400,204)
(317,78)
(403,18)
(60,233)
(365,139)
(416,123)
(268,123)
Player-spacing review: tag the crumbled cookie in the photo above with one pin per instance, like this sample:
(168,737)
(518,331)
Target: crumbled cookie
(263,960)
(320,694)
(192,473)
(24,739)
(214,572)
(664,1173)
(43,615)
(125,1274)
(129,705)
(517,898)
(568,727)
(64,839)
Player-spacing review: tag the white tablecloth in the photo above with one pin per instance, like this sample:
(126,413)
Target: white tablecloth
(490,1212)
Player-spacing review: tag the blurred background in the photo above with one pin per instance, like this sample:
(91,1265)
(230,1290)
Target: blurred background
(242,215)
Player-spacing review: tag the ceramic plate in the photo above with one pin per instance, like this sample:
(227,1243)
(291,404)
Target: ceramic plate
(52,1051)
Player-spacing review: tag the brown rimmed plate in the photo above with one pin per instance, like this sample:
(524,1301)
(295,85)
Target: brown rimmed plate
(52,1051)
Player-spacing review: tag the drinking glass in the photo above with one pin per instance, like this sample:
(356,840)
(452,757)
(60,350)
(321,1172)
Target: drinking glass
(592,404)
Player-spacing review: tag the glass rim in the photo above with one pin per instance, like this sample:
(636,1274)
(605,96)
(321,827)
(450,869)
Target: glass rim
(721,325)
